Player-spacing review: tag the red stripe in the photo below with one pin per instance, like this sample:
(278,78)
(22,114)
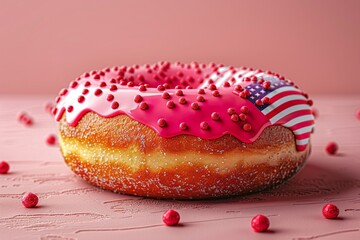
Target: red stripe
(284,106)
(303,136)
(283,94)
(301,147)
(293,115)
(302,124)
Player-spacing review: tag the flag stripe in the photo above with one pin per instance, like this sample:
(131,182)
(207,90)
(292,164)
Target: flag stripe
(293,122)
(287,106)
(289,110)
(281,101)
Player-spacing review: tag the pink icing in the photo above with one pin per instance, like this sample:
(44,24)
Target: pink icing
(174,99)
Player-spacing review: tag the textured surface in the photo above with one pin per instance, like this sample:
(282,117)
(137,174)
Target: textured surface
(69,208)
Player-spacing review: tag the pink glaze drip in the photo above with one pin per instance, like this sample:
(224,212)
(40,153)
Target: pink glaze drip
(166,97)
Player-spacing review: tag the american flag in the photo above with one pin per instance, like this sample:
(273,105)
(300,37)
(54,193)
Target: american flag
(288,106)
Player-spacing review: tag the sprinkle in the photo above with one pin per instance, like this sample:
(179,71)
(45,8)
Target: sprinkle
(30,200)
(242,117)
(143,106)
(266,85)
(160,88)
(113,88)
(165,95)
(231,111)
(201,91)
(331,148)
(81,99)
(234,117)
(4,167)
(51,139)
(70,109)
(195,106)
(142,88)
(238,88)
(114,105)
(183,126)
(212,87)
(200,99)
(171,218)
(179,93)
(98,92)
(244,109)
(73,84)
(85,91)
(216,93)
(162,123)
(204,126)
(330,211)
(260,223)
(138,98)
(215,116)
(182,100)
(259,102)
(170,104)
(110,97)
(247,127)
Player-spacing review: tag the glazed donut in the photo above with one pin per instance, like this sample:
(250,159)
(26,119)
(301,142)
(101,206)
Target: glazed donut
(184,131)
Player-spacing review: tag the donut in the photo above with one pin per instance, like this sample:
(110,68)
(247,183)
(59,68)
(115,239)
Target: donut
(184,131)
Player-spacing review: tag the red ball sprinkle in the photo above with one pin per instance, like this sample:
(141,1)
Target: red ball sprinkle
(131,70)
(171,217)
(216,93)
(63,92)
(142,88)
(87,84)
(113,88)
(243,94)
(162,123)
(260,223)
(266,85)
(85,91)
(160,88)
(130,84)
(143,106)
(4,167)
(98,92)
(215,116)
(110,97)
(81,99)
(138,98)
(103,84)
(201,91)
(204,126)
(235,118)
(182,100)
(200,99)
(266,100)
(247,127)
(259,102)
(51,139)
(330,211)
(114,105)
(231,111)
(226,84)
(183,126)
(331,148)
(73,84)
(244,109)
(179,93)
(165,95)
(212,87)
(30,200)
(70,109)
(238,88)
(242,117)
(195,106)
(97,77)
(253,78)
(170,104)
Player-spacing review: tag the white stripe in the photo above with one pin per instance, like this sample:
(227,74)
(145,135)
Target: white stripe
(224,78)
(303,130)
(281,101)
(282,89)
(300,119)
(248,74)
(288,111)
(214,76)
(302,141)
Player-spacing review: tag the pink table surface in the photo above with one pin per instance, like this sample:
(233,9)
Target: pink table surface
(69,208)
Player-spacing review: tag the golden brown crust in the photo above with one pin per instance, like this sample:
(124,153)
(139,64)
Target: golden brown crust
(125,156)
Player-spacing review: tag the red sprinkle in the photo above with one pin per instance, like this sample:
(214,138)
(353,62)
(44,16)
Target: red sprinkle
(179,93)
(200,99)
(51,139)
(260,223)
(259,102)
(204,126)
(165,95)
(162,123)
(98,92)
(231,111)
(142,88)
(215,116)
(171,217)
(110,97)
(266,100)
(30,200)
(143,106)
(113,88)
(331,148)
(235,118)
(182,100)
(85,91)
(114,105)
(244,109)
(242,117)
(266,85)
(4,167)
(212,87)
(216,93)
(330,211)
(138,99)
(81,99)
(160,88)
(183,126)
(195,106)
(247,127)
(70,108)
(170,104)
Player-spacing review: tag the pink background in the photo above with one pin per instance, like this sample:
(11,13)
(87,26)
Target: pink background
(46,44)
